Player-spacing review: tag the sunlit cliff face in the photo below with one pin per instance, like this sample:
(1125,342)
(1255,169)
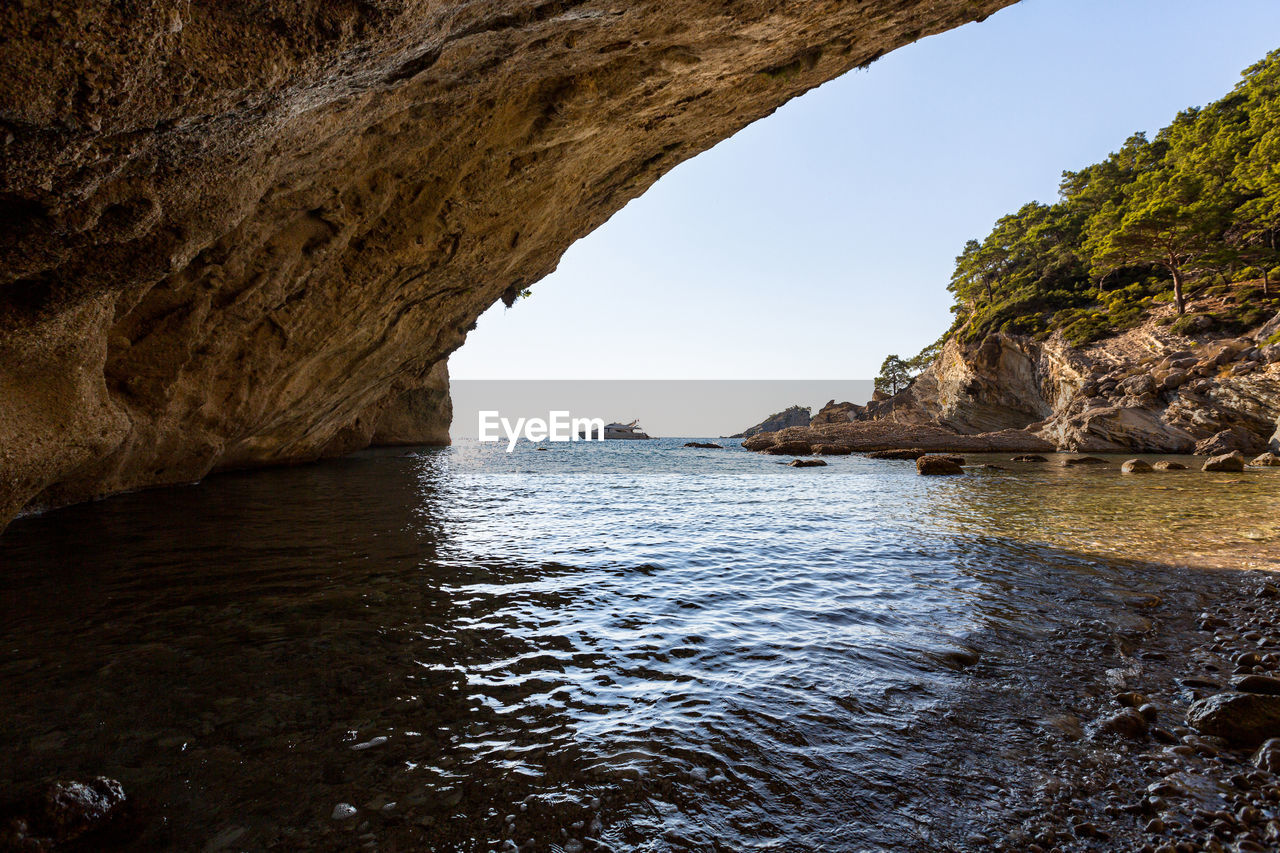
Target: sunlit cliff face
(244,233)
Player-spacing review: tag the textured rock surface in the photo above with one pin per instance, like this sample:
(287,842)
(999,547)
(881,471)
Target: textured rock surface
(936,465)
(1232,462)
(792,417)
(1140,391)
(1006,382)
(238,233)
(872,436)
(68,814)
(1242,719)
(836,413)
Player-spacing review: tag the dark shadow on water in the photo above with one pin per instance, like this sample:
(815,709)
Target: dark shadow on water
(246,654)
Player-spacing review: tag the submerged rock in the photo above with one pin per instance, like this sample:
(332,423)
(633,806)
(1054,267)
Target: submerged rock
(1268,756)
(806,463)
(68,812)
(831,450)
(1166,465)
(1029,457)
(1083,460)
(1232,461)
(938,465)
(959,658)
(1126,723)
(1135,466)
(705,445)
(1241,719)
(912,454)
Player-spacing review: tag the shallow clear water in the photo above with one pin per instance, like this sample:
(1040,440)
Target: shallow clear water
(631,645)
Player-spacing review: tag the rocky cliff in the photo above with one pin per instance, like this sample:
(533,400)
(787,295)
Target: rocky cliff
(244,233)
(1148,389)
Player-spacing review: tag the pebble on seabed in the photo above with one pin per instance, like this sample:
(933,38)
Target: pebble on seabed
(372,742)
(343,811)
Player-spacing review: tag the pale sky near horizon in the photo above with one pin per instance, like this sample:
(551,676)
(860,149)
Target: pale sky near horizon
(816,241)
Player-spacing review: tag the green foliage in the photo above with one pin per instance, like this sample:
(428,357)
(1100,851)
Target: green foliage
(1195,208)
(895,375)
(1190,323)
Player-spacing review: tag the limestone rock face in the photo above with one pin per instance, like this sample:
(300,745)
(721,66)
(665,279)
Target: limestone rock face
(420,414)
(837,413)
(236,234)
(1005,382)
(1139,391)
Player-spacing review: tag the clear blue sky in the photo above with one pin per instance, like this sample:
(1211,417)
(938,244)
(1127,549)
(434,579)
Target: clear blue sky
(818,240)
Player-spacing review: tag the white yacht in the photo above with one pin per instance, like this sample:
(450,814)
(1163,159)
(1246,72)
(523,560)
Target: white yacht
(621,431)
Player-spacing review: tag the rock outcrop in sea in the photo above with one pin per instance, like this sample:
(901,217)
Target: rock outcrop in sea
(1146,390)
(795,416)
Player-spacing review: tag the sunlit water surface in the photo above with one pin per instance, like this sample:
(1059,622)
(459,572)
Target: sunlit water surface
(623,646)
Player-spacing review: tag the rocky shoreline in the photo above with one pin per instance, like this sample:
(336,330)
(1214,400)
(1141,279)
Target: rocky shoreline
(1147,390)
(1181,746)
(871,436)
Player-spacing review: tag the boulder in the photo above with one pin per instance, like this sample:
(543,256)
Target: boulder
(1126,723)
(1232,461)
(1173,379)
(938,465)
(705,445)
(897,454)
(1268,329)
(1166,465)
(1268,756)
(831,450)
(1029,457)
(789,448)
(1266,460)
(1135,466)
(759,442)
(806,463)
(70,814)
(1265,684)
(1083,460)
(1243,720)
(1227,440)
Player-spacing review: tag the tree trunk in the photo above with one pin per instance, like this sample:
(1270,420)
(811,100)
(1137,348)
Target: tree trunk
(1177,291)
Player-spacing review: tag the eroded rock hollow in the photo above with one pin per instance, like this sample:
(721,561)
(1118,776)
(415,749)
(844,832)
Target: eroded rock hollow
(245,233)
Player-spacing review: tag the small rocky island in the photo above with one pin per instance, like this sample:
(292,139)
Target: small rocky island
(795,416)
